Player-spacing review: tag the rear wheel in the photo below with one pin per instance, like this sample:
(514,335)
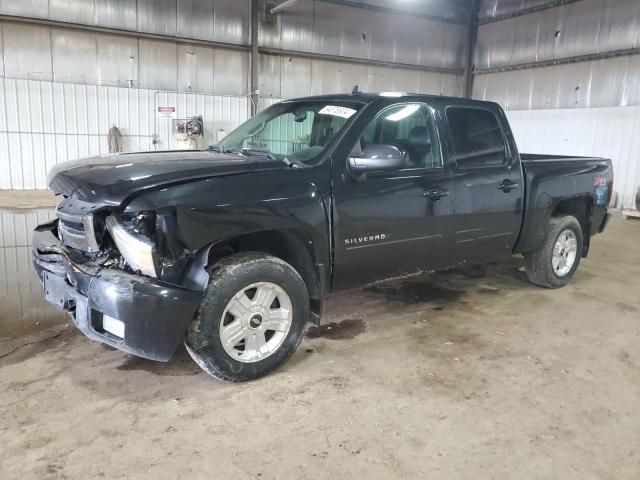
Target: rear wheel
(556,261)
(252,318)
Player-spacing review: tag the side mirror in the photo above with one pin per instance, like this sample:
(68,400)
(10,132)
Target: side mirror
(377,158)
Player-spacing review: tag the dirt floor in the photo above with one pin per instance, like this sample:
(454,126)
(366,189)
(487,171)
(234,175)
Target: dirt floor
(472,374)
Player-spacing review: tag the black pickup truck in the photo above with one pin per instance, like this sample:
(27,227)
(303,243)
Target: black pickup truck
(233,249)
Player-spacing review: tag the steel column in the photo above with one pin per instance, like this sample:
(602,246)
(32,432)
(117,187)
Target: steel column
(254,89)
(472,38)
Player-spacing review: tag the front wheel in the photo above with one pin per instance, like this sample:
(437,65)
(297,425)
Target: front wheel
(554,264)
(252,317)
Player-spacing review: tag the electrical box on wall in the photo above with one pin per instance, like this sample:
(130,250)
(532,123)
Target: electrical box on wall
(189,133)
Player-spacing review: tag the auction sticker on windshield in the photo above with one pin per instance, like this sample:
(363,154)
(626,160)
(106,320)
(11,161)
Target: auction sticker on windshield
(336,111)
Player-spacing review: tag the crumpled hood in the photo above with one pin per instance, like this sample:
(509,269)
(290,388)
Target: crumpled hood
(110,179)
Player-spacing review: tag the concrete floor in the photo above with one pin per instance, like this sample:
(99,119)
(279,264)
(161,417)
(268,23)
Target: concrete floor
(472,374)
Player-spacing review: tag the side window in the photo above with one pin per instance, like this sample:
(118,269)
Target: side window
(409,127)
(477,137)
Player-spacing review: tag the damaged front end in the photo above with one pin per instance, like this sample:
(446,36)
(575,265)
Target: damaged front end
(117,276)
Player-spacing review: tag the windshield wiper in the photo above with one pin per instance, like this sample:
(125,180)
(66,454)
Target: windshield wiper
(216,148)
(259,152)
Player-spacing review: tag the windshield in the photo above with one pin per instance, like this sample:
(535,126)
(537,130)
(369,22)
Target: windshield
(294,131)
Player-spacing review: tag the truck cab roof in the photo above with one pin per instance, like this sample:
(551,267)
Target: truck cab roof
(366,98)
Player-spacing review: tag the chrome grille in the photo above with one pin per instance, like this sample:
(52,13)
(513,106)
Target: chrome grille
(75,228)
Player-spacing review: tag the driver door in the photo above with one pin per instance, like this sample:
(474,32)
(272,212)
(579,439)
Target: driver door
(391,222)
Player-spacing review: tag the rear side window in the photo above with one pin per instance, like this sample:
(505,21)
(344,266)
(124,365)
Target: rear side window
(477,137)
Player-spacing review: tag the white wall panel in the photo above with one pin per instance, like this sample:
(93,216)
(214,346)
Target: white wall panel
(116,14)
(104,59)
(195,19)
(74,56)
(195,69)
(72,11)
(332,29)
(285,77)
(117,60)
(231,21)
(157,16)
(27,51)
(611,132)
(231,71)
(579,28)
(158,65)
(44,123)
(27,8)
(600,83)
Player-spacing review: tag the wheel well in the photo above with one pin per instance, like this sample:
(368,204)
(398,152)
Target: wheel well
(285,245)
(580,208)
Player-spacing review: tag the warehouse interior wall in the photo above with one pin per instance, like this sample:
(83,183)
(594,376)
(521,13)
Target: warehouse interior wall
(568,74)
(71,70)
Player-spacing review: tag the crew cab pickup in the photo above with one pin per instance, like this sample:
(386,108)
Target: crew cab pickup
(233,249)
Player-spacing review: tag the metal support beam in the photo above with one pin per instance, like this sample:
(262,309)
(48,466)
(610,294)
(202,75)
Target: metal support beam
(253,48)
(127,33)
(472,39)
(391,9)
(254,88)
(283,6)
(358,61)
(560,61)
(527,11)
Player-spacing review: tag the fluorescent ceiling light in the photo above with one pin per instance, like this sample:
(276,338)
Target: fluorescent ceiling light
(391,94)
(404,113)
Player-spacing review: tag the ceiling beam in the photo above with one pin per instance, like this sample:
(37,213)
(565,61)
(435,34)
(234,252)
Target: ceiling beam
(527,11)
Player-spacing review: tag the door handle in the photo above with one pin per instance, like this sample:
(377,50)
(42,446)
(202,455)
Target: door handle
(507,185)
(435,193)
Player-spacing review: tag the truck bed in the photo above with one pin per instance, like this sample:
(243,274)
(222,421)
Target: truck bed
(534,158)
(547,179)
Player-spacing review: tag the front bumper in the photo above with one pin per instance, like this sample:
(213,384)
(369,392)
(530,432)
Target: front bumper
(155,314)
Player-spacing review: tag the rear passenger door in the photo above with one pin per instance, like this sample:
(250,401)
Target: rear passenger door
(488,184)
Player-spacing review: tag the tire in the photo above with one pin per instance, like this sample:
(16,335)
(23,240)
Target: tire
(540,266)
(230,337)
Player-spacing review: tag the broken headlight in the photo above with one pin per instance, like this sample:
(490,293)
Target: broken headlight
(136,249)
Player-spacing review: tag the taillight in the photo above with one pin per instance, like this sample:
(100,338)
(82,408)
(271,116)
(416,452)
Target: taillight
(599,181)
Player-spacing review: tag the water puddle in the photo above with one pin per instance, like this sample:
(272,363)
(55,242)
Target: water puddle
(346,329)
(23,310)
(413,292)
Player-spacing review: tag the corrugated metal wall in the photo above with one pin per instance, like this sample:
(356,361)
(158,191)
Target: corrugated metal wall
(584,27)
(497,8)
(43,123)
(214,20)
(62,88)
(611,132)
(599,83)
(586,104)
(553,35)
(327,28)
(63,55)
(289,77)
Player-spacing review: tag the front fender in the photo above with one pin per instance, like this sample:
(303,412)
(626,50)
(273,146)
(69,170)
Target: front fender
(217,210)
